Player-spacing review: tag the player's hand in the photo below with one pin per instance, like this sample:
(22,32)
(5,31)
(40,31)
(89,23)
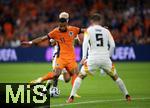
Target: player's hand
(82,61)
(26,43)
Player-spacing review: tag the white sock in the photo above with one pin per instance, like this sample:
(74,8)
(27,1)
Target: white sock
(39,80)
(49,81)
(61,77)
(76,86)
(122,86)
(48,84)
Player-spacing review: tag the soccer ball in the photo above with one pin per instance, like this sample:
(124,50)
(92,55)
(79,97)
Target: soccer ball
(54,92)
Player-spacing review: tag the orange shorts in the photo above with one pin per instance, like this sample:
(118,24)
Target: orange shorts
(69,64)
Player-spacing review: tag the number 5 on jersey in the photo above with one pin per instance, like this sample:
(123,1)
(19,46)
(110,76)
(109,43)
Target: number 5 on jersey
(99,40)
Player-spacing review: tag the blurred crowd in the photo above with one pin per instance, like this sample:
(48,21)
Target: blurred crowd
(23,20)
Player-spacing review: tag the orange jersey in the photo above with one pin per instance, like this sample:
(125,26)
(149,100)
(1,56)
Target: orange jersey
(65,41)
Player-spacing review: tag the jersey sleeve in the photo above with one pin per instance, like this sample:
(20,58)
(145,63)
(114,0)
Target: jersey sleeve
(111,43)
(85,44)
(51,35)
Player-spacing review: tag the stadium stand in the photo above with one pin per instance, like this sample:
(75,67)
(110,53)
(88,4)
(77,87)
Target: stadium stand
(128,20)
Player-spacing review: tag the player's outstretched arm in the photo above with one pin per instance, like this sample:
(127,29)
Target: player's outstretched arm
(34,41)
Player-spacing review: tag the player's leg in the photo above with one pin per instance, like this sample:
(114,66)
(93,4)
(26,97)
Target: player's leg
(51,75)
(76,86)
(86,69)
(55,82)
(73,70)
(73,78)
(66,76)
(61,77)
(111,71)
(46,88)
(49,83)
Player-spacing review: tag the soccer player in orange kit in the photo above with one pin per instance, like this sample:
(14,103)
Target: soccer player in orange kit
(64,35)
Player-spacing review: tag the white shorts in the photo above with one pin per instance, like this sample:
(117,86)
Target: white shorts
(93,64)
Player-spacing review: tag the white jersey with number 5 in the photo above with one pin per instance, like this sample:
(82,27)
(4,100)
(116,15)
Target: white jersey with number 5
(98,41)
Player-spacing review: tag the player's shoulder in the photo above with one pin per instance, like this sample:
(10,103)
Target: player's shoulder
(97,27)
(93,28)
(55,30)
(89,29)
(72,27)
(53,33)
(106,28)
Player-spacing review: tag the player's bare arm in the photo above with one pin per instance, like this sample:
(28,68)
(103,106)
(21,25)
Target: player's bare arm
(34,41)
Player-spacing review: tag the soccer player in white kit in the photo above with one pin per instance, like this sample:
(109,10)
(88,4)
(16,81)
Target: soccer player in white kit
(99,44)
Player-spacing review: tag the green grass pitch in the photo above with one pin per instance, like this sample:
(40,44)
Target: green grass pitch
(97,92)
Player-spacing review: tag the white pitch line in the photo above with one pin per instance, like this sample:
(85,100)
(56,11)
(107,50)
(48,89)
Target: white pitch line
(98,101)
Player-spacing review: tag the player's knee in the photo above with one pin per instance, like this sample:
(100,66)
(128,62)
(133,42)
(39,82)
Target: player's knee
(67,77)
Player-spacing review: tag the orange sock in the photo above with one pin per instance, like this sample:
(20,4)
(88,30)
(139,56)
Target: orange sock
(48,76)
(73,79)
